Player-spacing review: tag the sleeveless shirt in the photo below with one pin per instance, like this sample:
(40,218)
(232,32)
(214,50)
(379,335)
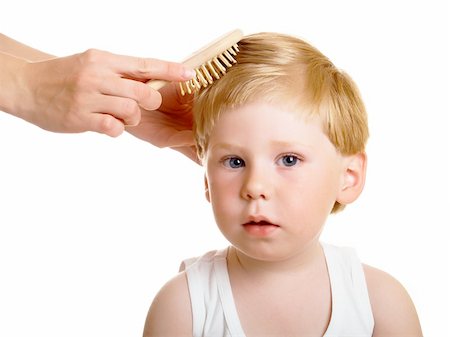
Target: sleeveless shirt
(214,312)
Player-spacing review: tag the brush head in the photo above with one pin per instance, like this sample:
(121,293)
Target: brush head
(210,70)
(210,63)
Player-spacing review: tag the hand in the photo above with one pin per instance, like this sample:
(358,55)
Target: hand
(92,91)
(170,125)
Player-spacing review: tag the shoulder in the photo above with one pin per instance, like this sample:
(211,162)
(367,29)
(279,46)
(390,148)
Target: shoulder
(170,313)
(393,310)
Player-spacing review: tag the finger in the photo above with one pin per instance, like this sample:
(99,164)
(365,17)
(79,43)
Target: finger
(190,152)
(172,99)
(181,138)
(148,68)
(125,109)
(106,124)
(143,94)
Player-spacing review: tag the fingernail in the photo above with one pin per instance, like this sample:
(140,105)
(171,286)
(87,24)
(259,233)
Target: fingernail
(188,73)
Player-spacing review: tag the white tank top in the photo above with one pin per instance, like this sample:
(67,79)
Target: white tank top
(214,312)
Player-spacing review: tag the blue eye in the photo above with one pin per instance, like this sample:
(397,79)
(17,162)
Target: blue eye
(234,162)
(289,160)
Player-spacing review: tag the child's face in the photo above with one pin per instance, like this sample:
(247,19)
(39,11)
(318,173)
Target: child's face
(272,178)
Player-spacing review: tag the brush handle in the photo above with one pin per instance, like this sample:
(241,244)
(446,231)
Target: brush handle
(205,54)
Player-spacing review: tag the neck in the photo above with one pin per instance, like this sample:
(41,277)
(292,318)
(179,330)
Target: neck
(303,261)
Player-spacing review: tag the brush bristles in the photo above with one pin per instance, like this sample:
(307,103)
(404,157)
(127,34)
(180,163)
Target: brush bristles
(210,71)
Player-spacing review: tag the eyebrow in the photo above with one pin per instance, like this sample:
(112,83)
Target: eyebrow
(275,143)
(280,143)
(227,146)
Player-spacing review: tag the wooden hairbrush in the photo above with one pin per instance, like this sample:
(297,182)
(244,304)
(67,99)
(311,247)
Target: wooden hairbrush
(210,63)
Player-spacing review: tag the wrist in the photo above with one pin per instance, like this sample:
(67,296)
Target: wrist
(14,93)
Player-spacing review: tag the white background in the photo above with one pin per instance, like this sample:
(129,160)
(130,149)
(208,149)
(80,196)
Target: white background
(91,227)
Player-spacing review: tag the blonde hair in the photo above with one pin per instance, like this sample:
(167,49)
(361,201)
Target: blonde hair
(286,70)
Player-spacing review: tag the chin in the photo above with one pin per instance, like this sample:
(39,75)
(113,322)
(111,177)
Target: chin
(262,252)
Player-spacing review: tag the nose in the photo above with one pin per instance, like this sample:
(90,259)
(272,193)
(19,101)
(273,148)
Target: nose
(257,185)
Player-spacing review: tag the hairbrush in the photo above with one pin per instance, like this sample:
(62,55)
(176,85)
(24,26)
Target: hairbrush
(210,63)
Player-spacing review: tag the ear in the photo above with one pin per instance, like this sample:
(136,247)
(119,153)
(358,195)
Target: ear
(207,190)
(353,178)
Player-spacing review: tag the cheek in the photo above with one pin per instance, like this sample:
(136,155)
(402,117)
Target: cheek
(221,192)
(221,184)
(312,193)
(226,203)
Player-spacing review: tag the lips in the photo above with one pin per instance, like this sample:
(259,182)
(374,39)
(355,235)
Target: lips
(260,223)
(261,228)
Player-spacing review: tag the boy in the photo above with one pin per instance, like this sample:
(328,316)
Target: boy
(282,137)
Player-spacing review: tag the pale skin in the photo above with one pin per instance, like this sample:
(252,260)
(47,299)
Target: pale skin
(268,165)
(96,91)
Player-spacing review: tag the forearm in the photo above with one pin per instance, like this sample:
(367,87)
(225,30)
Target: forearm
(17,49)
